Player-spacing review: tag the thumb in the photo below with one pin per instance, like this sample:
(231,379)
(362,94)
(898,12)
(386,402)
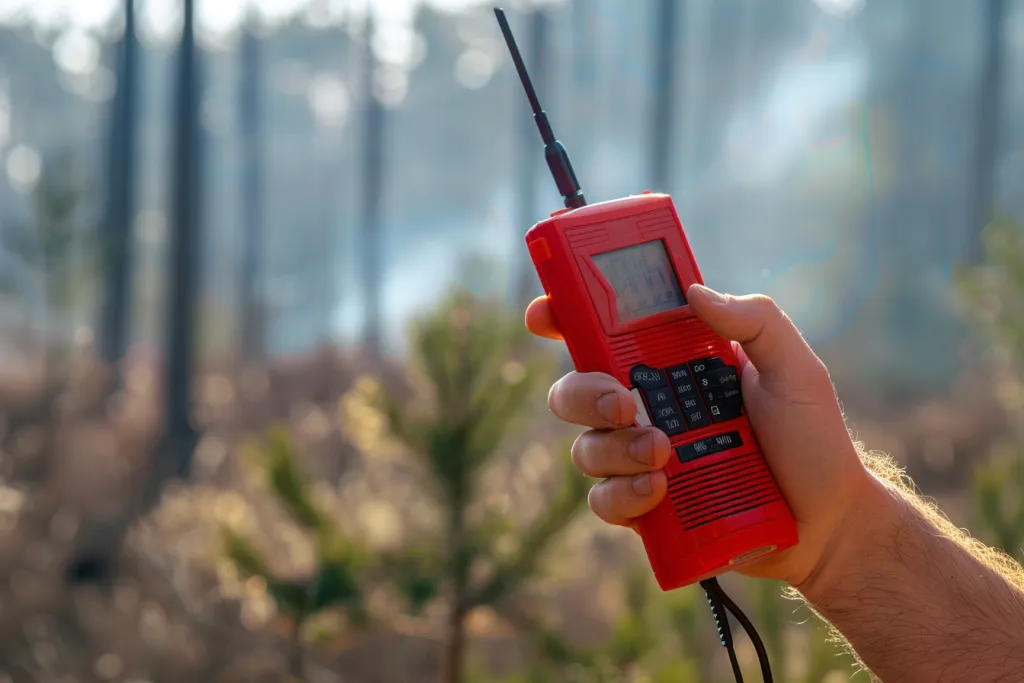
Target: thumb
(768,337)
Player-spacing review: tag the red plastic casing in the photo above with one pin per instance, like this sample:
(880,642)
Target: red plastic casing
(722,510)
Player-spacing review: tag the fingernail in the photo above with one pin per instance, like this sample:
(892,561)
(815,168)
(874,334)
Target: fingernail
(712,296)
(641,449)
(642,485)
(609,407)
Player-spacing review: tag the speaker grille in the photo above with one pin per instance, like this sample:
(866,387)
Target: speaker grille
(665,345)
(721,490)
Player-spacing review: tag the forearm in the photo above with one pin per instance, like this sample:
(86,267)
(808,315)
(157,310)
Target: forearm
(917,600)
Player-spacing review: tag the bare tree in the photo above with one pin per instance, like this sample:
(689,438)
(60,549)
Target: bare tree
(120,208)
(987,143)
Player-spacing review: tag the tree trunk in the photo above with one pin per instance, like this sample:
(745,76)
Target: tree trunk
(296,654)
(41,466)
(120,208)
(987,144)
(455,644)
(95,561)
(662,111)
(251,126)
(370,208)
(455,635)
(179,347)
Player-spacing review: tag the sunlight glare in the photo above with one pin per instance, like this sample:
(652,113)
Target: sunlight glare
(329,99)
(161,18)
(840,8)
(159,21)
(24,165)
(474,69)
(392,84)
(77,52)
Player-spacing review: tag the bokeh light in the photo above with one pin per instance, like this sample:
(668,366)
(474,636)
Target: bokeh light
(24,165)
(474,69)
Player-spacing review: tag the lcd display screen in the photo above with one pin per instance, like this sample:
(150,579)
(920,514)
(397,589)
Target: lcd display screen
(643,279)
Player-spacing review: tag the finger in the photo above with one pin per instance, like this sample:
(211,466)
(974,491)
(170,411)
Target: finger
(768,337)
(592,399)
(742,361)
(601,454)
(620,500)
(540,320)
(741,355)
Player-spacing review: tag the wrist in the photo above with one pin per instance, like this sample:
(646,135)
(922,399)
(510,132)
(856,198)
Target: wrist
(868,526)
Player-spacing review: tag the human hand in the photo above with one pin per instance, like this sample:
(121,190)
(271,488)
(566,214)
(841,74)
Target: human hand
(792,407)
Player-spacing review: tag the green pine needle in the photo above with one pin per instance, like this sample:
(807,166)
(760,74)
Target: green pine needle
(287,482)
(244,554)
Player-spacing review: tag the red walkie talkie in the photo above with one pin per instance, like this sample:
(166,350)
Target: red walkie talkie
(616,274)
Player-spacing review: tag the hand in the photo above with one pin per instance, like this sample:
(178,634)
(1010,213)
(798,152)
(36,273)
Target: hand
(792,408)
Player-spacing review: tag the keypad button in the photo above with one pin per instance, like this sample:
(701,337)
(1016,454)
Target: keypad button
(725,412)
(690,402)
(644,377)
(697,417)
(725,398)
(661,403)
(659,396)
(702,371)
(671,426)
(665,412)
(708,446)
(723,395)
(680,379)
(726,377)
(693,409)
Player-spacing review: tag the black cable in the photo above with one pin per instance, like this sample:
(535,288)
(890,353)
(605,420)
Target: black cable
(736,670)
(713,592)
(762,652)
(717,597)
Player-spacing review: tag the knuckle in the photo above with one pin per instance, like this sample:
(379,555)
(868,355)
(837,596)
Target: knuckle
(662,447)
(819,373)
(556,395)
(598,501)
(608,500)
(579,447)
(553,398)
(767,307)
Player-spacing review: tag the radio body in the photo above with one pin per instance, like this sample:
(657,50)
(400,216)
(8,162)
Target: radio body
(616,274)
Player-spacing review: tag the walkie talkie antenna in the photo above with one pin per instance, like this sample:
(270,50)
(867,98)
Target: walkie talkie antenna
(554,151)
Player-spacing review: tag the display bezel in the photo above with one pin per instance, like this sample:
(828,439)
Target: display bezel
(626,232)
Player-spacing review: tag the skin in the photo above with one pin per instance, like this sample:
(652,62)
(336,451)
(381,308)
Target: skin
(916,599)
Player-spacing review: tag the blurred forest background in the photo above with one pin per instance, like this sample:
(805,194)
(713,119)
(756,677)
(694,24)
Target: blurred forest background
(267,407)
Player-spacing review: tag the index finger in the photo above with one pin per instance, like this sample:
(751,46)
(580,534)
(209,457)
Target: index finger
(540,320)
(592,399)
